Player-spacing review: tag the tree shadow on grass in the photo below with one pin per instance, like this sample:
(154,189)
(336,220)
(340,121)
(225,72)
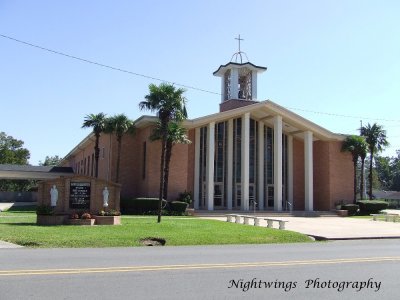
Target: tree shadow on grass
(20,224)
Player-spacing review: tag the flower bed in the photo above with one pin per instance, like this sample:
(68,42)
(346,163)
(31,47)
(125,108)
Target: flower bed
(89,222)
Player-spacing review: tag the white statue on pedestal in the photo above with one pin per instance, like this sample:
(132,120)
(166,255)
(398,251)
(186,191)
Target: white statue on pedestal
(54,195)
(106,194)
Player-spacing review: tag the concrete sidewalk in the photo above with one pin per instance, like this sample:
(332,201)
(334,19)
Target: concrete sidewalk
(336,228)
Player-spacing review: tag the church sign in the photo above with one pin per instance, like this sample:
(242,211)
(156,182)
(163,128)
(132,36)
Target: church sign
(79,195)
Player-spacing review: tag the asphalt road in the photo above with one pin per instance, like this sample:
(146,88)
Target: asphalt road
(365,269)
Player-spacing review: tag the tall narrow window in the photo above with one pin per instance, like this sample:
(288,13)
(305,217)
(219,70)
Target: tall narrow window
(92,170)
(144,160)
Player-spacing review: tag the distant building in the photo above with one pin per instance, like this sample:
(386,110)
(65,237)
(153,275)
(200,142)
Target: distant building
(249,151)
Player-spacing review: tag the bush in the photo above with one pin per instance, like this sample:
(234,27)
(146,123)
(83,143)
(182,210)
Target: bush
(351,209)
(44,210)
(178,206)
(86,216)
(111,212)
(185,197)
(372,206)
(140,205)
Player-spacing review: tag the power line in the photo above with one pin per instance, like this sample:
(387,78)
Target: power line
(343,116)
(105,66)
(174,83)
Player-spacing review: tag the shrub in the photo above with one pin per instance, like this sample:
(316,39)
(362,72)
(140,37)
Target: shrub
(372,206)
(111,212)
(140,205)
(74,216)
(351,209)
(185,197)
(44,209)
(178,206)
(86,216)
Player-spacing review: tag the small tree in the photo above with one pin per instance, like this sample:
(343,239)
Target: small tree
(169,104)
(12,152)
(97,122)
(176,135)
(51,161)
(355,145)
(120,125)
(376,139)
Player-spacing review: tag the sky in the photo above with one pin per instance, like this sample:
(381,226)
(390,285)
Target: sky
(336,63)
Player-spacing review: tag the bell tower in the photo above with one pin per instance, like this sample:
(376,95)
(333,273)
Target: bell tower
(238,81)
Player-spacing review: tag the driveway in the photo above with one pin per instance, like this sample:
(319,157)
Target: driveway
(336,228)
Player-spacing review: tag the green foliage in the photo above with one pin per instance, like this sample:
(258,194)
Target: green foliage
(351,208)
(388,171)
(44,209)
(51,161)
(140,205)
(372,206)
(170,105)
(111,212)
(12,152)
(185,197)
(178,206)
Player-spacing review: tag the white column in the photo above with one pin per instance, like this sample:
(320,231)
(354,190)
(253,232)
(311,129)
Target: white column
(210,166)
(254,85)
(278,163)
(245,147)
(260,176)
(229,161)
(290,171)
(196,169)
(308,171)
(234,84)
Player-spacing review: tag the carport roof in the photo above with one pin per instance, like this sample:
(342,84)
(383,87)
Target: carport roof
(33,172)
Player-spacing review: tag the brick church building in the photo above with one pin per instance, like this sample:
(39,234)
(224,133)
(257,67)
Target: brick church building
(249,151)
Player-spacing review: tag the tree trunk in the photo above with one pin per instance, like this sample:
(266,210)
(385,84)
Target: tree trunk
(168,153)
(96,155)
(362,185)
(355,182)
(163,146)
(119,140)
(370,174)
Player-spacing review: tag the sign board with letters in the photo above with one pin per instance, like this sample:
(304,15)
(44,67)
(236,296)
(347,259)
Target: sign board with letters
(79,195)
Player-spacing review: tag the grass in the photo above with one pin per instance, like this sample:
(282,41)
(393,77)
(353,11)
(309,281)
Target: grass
(19,226)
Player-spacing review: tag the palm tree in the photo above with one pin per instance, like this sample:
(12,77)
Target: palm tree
(176,135)
(97,122)
(376,139)
(120,125)
(354,144)
(363,149)
(169,104)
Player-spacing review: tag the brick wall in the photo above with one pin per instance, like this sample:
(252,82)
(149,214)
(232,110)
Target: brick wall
(234,103)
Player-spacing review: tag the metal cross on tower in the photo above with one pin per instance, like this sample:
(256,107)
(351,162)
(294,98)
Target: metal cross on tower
(239,39)
(238,55)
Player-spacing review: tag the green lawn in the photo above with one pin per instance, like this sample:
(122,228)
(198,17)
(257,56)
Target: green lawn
(19,227)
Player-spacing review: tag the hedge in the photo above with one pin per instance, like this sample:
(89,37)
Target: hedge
(178,206)
(140,205)
(372,206)
(351,208)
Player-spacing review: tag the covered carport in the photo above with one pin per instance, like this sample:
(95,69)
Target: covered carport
(27,172)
